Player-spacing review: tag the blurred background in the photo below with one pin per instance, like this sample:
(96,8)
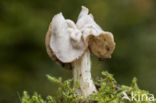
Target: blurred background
(24,61)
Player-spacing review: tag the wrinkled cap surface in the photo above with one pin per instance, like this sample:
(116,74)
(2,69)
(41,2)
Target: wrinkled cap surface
(100,42)
(67,41)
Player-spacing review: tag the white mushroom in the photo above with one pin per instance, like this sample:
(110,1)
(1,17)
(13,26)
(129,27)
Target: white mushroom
(69,44)
(65,37)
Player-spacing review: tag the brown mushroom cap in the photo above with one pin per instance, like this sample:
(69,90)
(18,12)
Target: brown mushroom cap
(102,46)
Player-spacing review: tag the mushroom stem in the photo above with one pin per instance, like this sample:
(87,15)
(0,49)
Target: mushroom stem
(82,73)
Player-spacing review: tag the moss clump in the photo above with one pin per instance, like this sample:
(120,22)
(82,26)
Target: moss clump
(108,92)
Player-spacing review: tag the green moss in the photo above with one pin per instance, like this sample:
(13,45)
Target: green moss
(108,92)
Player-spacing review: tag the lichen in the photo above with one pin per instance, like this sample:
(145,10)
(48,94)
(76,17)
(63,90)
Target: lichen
(109,91)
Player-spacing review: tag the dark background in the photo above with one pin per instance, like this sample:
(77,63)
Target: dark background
(24,61)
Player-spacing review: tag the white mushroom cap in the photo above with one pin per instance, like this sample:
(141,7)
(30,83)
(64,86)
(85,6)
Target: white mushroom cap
(64,40)
(100,42)
(67,41)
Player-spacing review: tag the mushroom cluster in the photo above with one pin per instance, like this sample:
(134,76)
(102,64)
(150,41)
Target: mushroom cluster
(70,44)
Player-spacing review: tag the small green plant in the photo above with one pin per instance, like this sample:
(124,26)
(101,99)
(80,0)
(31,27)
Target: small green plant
(109,91)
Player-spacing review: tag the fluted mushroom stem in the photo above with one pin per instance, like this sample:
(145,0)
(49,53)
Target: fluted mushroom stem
(82,73)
